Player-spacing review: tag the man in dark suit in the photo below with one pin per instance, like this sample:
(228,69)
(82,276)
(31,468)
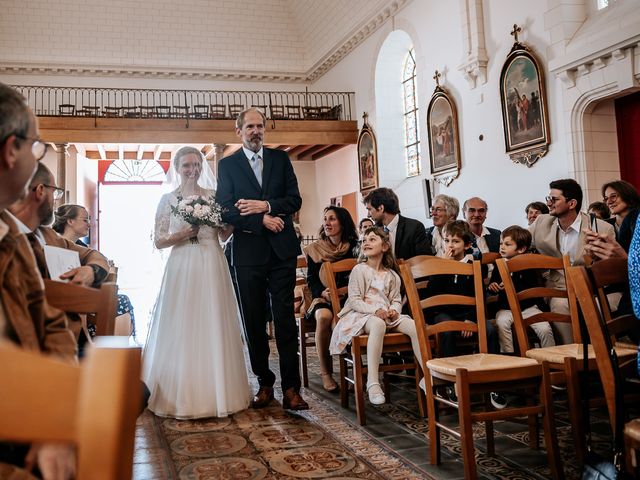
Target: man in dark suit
(408,236)
(258,190)
(485,239)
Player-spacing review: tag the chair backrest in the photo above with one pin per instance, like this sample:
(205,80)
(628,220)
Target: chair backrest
(101,302)
(593,320)
(235,109)
(92,406)
(608,276)
(332,269)
(534,261)
(277,112)
(427,267)
(489,258)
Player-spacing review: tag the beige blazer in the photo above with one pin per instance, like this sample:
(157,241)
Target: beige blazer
(544,232)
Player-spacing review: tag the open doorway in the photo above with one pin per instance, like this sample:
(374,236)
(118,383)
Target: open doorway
(127,217)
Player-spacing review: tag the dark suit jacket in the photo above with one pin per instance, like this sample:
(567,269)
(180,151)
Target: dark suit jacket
(493,240)
(252,242)
(411,239)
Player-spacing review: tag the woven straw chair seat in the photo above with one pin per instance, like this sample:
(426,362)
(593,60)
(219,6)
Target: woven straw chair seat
(477,363)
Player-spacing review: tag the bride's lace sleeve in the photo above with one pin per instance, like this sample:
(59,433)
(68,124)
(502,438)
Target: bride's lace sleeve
(161,235)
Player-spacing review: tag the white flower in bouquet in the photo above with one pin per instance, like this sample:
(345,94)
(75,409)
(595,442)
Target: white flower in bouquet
(198,210)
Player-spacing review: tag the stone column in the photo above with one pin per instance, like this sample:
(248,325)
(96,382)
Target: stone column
(61,148)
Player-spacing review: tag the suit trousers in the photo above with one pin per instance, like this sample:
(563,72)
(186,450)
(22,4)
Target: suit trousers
(274,281)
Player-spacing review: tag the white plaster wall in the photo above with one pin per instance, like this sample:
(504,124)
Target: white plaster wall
(486,169)
(309,216)
(198,34)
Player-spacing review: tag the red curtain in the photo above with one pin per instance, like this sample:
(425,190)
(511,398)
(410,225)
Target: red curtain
(628,125)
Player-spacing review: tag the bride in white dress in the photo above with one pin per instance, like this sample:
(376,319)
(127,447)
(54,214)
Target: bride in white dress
(193,361)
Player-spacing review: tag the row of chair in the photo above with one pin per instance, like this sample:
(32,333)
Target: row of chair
(475,375)
(202,111)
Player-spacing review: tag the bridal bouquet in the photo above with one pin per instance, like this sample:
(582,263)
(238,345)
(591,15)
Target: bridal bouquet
(198,210)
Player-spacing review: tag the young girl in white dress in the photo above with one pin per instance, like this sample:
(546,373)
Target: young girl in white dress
(373,307)
(193,361)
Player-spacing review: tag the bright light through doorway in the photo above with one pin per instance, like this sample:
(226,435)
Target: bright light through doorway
(127,217)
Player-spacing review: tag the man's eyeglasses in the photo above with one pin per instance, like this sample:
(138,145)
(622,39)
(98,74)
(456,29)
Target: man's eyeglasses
(57,191)
(38,147)
(437,210)
(552,199)
(611,198)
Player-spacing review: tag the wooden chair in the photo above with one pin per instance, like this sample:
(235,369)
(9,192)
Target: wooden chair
(88,111)
(632,447)
(131,112)
(90,406)
(311,113)
(66,110)
(293,112)
(393,343)
(235,109)
(306,332)
(277,112)
(217,111)
(180,111)
(147,112)
(565,361)
(163,111)
(111,112)
(586,282)
(200,111)
(102,303)
(474,374)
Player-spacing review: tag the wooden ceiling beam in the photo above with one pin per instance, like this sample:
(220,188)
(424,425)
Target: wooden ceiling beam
(230,150)
(298,149)
(310,151)
(326,151)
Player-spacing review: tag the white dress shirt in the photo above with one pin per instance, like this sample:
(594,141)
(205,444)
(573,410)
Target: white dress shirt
(393,228)
(568,240)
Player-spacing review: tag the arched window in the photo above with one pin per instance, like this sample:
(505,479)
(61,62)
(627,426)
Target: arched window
(134,171)
(410,108)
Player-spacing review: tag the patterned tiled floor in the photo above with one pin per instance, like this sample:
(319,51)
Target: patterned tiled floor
(326,441)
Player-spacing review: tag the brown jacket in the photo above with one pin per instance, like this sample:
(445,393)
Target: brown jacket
(31,322)
(88,256)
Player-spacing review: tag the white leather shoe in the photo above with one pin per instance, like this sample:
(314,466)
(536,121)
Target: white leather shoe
(376,395)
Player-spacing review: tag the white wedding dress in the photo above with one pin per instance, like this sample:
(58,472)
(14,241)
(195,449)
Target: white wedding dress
(193,361)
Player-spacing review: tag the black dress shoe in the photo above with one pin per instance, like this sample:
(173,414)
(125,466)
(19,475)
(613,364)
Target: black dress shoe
(262,398)
(293,401)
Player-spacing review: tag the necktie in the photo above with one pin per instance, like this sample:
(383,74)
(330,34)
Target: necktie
(256,166)
(38,252)
(386,230)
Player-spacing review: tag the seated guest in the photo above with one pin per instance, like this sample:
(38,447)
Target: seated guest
(444,210)
(563,232)
(622,198)
(457,240)
(515,241)
(72,222)
(337,241)
(407,235)
(364,224)
(26,318)
(35,211)
(599,210)
(533,210)
(485,239)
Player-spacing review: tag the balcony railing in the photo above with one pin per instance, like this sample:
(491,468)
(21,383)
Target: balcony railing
(188,104)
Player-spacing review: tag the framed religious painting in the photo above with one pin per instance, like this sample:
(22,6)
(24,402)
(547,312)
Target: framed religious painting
(524,105)
(367,157)
(444,139)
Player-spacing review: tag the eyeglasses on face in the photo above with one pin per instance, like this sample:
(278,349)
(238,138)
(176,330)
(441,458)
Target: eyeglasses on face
(57,191)
(437,210)
(550,199)
(38,147)
(481,211)
(611,198)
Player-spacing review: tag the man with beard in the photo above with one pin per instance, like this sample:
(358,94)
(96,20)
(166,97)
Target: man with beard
(32,213)
(258,191)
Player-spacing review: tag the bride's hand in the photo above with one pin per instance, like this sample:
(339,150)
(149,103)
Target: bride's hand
(190,232)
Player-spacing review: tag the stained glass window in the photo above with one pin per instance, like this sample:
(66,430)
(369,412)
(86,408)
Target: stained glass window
(134,171)
(411,132)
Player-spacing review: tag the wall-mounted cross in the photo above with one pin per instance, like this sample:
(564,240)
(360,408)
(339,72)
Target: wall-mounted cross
(515,31)
(436,77)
